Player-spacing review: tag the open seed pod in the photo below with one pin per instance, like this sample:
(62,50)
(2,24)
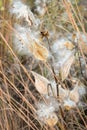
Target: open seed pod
(40,83)
(65,68)
(43,85)
(46,111)
(40,52)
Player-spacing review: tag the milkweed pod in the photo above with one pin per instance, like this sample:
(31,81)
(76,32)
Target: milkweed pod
(65,68)
(40,83)
(44,86)
(40,52)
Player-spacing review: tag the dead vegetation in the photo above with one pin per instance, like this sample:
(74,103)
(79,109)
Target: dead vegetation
(43,65)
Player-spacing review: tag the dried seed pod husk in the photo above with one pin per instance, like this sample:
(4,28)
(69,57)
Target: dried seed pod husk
(65,68)
(40,52)
(40,83)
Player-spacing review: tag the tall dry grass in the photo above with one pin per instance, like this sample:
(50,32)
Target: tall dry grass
(17,92)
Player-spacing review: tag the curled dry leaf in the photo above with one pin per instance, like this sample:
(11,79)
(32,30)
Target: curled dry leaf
(65,68)
(41,83)
(39,51)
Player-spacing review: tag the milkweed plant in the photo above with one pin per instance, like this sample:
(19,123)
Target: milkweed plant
(56,43)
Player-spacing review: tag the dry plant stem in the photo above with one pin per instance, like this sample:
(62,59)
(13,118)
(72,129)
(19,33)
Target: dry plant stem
(61,126)
(25,117)
(72,20)
(79,46)
(18,61)
(18,92)
(79,13)
(61,111)
(23,69)
(85,123)
(63,28)
(4,112)
(54,75)
(80,22)
(14,106)
(56,80)
(81,69)
(5,81)
(12,102)
(77,50)
(21,96)
(62,123)
(7,124)
(25,86)
(76,121)
(69,12)
(23,111)
(48,88)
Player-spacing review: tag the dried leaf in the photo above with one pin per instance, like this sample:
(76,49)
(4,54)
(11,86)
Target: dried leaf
(69,45)
(39,51)
(64,70)
(40,83)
